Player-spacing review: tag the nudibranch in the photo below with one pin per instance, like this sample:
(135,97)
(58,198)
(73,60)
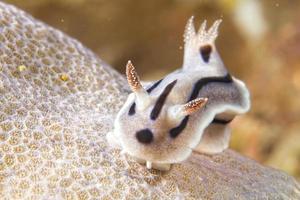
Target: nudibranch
(188,110)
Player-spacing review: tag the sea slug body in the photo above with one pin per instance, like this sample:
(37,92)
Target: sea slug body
(188,110)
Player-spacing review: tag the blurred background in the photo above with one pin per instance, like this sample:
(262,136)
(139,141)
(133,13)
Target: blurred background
(259,42)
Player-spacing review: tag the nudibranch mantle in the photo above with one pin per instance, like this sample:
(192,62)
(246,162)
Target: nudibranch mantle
(188,110)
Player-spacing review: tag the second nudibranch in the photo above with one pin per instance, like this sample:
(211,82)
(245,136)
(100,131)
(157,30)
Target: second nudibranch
(188,110)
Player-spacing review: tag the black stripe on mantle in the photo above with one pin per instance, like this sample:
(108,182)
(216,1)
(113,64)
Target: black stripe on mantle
(149,90)
(174,132)
(161,100)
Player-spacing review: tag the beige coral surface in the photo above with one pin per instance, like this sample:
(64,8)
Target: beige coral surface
(57,103)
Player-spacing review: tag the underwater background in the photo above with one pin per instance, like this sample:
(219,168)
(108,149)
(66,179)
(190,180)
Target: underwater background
(259,42)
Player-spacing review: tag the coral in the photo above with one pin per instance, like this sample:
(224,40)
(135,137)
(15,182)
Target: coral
(55,113)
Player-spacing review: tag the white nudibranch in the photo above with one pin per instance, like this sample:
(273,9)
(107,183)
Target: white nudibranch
(188,110)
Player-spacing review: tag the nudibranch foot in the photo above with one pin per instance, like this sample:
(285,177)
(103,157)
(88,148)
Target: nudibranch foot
(215,139)
(154,165)
(112,140)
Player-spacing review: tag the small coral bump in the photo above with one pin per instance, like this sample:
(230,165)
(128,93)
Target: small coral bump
(1,85)
(21,68)
(64,77)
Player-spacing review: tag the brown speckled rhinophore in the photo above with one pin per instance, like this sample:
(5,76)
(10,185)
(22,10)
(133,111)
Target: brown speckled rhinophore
(55,113)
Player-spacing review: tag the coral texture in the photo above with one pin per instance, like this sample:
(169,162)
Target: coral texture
(57,103)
